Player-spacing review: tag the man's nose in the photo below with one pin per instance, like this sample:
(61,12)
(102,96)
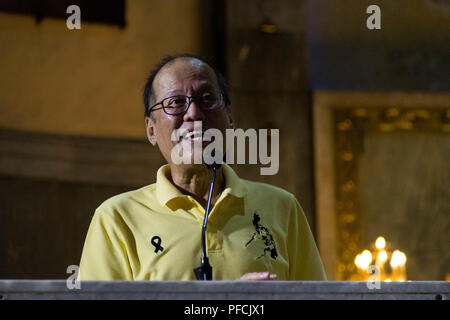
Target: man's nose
(194,112)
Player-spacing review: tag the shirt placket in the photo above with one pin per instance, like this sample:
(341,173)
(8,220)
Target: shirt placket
(214,239)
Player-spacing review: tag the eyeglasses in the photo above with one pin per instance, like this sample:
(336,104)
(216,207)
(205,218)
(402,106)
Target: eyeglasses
(179,104)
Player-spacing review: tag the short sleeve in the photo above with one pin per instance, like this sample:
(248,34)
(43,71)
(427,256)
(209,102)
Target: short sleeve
(304,259)
(105,255)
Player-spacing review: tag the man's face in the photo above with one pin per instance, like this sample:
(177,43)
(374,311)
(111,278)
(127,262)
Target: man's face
(190,77)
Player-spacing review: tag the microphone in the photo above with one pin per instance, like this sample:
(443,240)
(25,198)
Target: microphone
(204,272)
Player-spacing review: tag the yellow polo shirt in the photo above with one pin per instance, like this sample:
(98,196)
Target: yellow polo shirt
(154,233)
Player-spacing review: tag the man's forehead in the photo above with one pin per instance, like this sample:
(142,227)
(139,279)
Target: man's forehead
(183,70)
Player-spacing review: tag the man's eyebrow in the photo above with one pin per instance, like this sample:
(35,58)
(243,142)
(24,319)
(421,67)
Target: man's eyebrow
(174,92)
(202,87)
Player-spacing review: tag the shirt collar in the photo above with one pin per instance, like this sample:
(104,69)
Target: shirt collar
(166,191)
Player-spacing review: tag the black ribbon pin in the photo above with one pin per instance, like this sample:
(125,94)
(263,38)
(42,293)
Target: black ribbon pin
(156,242)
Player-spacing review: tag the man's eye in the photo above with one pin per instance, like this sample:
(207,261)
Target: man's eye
(208,97)
(177,101)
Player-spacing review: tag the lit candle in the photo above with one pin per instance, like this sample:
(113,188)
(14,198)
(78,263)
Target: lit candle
(380,243)
(362,262)
(398,261)
(381,256)
(379,263)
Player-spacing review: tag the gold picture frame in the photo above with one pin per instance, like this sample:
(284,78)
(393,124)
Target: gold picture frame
(340,120)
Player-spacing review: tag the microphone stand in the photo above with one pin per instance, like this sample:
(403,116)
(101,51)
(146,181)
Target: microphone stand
(204,272)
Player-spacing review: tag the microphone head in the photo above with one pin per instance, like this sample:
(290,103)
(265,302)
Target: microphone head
(214,165)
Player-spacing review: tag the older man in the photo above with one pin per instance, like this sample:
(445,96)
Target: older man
(255,231)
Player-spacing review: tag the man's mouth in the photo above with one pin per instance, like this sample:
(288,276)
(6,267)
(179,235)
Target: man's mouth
(195,135)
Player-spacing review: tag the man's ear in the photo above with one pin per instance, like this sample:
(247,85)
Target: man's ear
(151,130)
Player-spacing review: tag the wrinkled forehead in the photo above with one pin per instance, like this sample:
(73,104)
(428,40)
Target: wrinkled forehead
(184,74)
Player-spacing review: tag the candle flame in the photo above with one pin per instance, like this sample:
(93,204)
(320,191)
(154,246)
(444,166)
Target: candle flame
(398,259)
(382,256)
(363,260)
(380,243)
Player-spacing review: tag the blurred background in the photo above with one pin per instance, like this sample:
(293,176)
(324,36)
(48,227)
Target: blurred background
(364,119)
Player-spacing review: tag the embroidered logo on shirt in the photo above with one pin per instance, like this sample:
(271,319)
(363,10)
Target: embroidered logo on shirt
(263,233)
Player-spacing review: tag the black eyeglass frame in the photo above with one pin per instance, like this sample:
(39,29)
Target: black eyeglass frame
(190,98)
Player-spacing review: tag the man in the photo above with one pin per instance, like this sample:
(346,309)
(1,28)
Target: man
(255,231)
